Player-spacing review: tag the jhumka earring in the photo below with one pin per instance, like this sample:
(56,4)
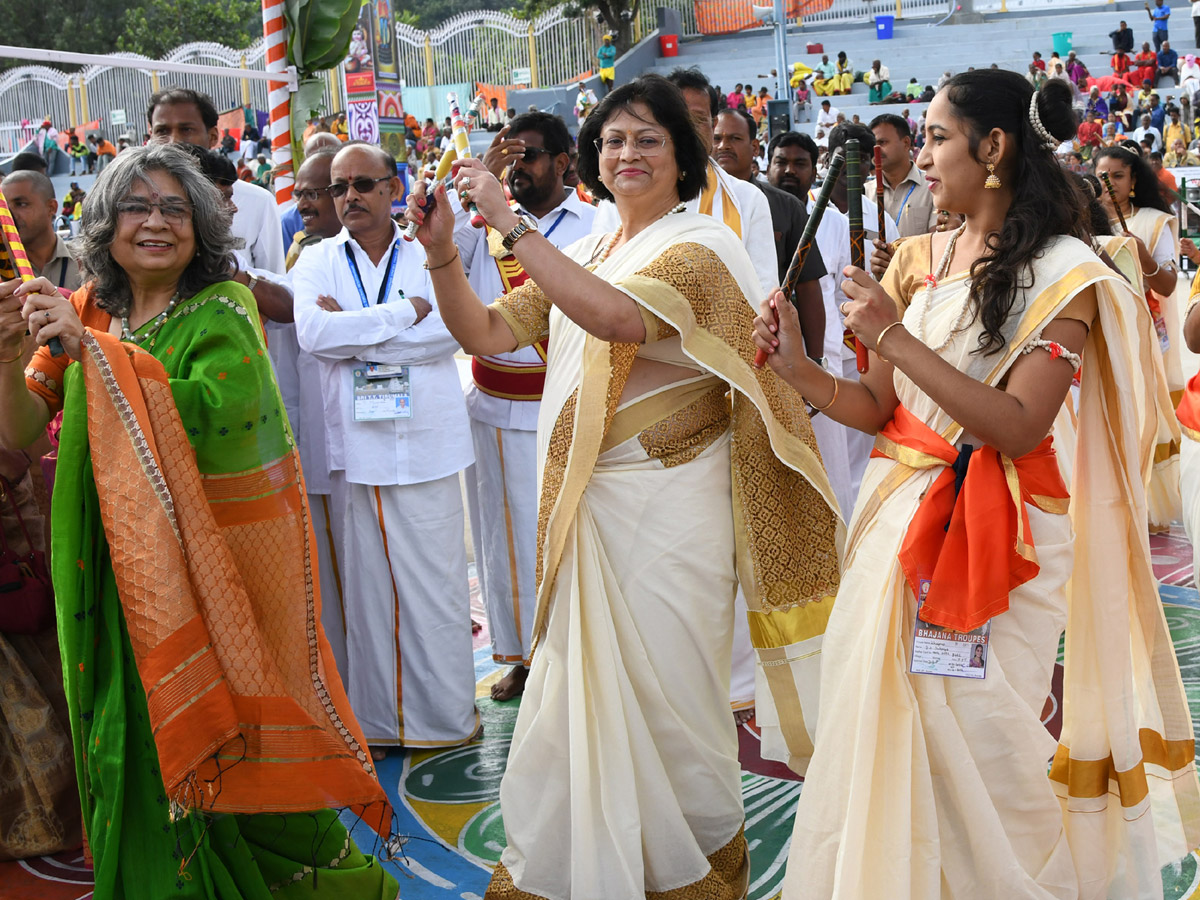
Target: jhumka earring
(993,182)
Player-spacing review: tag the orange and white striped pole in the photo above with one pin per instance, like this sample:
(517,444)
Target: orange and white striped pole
(279,99)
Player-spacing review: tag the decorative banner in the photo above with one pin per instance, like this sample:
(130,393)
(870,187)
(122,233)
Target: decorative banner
(364,121)
(359,63)
(389,104)
(386,68)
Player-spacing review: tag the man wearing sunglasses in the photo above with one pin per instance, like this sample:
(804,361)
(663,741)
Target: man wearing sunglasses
(506,390)
(397,437)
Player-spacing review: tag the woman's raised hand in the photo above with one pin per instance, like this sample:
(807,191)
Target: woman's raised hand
(436,222)
(475,184)
(869,309)
(48,314)
(777,333)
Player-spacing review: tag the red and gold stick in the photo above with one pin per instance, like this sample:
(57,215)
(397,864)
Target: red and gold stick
(20,260)
(1112,195)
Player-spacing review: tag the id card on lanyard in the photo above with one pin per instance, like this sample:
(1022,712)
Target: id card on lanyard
(381,391)
(940,651)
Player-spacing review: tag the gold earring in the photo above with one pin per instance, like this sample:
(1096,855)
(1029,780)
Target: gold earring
(993,182)
(682,176)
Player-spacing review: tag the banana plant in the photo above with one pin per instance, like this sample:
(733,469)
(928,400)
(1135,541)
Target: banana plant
(318,38)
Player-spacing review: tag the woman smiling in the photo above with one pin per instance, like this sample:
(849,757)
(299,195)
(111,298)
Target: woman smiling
(623,779)
(212,737)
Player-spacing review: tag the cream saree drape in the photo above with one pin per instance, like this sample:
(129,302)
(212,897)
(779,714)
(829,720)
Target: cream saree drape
(1163,502)
(925,787)
(622,779)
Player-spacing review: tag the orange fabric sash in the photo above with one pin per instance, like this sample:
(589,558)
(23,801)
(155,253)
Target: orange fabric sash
(1188,411)
(248,712)
(987,550)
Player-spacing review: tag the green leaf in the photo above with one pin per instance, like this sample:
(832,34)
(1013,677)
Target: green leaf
(319,32)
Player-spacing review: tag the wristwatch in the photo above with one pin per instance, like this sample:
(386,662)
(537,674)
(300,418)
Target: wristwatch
(525,224)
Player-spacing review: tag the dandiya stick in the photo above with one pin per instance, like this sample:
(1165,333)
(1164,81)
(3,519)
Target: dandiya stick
(431,177)
(1112,195)
(792,278)
(20,260)
(879,193)
(462,146)
(858,233)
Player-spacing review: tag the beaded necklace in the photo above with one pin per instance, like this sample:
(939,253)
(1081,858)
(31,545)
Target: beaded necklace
(931,284)
(155,326)
(682,207)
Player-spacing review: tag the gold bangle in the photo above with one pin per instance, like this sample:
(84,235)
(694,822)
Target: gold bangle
(879,340)
(429,268)
(832,399)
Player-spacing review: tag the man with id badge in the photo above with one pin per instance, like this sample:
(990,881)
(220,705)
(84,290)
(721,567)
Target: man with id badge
(397,437)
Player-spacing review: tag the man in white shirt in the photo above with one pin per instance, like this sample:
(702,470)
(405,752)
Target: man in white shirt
(906,197)
(397,437)
(827,117)
(505,394)
(1148,129)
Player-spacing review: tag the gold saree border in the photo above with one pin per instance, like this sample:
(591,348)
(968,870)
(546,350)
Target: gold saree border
(1092,778)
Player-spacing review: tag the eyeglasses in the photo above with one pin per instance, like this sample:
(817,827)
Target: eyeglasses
(646,145)
(314,194)
(173,212)
(360,185)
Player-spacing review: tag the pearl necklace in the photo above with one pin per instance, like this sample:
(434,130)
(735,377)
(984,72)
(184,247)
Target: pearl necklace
(931,283)
(682,207)
(155,326)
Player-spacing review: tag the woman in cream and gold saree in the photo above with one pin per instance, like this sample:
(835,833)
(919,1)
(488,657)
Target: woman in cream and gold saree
(213,742)
(670,471)
(932,786)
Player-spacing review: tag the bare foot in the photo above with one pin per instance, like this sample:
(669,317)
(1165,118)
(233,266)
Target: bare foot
(379,754)
(511,685)
(742,716)
(475,627)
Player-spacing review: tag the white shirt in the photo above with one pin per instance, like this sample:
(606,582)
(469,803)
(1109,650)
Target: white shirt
(257,223)
(562,226)
(827,119)
(436,440)
(758,234)
(1139,133)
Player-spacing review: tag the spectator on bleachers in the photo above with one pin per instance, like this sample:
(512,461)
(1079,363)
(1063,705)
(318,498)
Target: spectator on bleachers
(1159,15)
(1189,76)
(1110,135)
(1088,137)
(1145,65)
(1038,61)
(1179,155)
(759,111)
(735,96)
(827,117)
(1075,67)
(1118,104)
(946,76)
(826,72)
(913,90)
(747,102)
(1168,63)
(1035,77)
(1165,178)
(1096,107)
(1157,112)
(878,82)
(801,98)
(843,77)
(1120,64)
(926,95)
(1057,71)
(1145,130)
(1176,129)
(1115,121)
(1122,38)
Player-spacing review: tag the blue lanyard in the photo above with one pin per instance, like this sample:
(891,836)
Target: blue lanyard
(385,289)
(550,230)
(904,203)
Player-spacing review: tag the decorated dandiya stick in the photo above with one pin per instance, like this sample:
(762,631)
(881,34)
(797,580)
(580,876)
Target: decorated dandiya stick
(431,178)
(20,260)
(792,278)
(1112,195)
(462,146)
(858,233)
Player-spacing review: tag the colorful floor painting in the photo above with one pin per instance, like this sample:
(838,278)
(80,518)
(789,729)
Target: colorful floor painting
(447,802)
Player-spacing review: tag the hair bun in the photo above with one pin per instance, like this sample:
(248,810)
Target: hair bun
(1055,101)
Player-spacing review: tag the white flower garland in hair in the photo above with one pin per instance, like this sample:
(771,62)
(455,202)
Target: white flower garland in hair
(1035,120)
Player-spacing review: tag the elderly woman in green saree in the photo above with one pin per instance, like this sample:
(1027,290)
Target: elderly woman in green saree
(213,741)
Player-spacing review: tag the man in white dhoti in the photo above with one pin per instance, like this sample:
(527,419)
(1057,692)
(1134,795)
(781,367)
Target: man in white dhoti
(397,438)
(506,389)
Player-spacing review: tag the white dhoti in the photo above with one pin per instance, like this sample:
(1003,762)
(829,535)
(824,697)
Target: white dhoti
(328,514)
(408,617)
(503,500)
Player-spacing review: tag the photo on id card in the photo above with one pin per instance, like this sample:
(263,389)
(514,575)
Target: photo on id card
(941,651)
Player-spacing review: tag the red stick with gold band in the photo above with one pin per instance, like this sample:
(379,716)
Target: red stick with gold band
(882,226)
(20,260)
(792,278)
(858,233)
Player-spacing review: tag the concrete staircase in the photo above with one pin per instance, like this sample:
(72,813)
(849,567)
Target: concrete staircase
(924,50)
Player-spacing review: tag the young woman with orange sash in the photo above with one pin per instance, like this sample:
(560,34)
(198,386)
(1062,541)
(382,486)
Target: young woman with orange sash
(941,781)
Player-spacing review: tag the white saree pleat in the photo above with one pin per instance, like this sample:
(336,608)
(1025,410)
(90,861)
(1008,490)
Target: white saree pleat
(624,735)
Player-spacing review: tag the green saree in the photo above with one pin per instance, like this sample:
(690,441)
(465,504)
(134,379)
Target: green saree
(213,742)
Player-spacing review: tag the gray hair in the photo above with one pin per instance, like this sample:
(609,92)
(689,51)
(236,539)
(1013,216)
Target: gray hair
(211,221)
